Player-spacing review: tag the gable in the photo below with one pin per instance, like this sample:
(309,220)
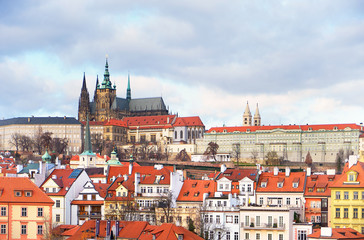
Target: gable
(50,184)
(246,180)
(224,180)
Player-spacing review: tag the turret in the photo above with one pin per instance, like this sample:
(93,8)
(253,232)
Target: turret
(247,116)
(84,101)
(257,118)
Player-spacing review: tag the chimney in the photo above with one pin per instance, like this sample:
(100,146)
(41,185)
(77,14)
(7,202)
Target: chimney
(326,232)
(308,172)
(130,167)
(167,119)
(353,159)
(275,171)
(288,171)
(40,167)
(222,168)
(19,168)
(54,176)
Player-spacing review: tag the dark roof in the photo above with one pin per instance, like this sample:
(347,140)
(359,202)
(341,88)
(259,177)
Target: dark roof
(39,120)
(94,171)
(142,104)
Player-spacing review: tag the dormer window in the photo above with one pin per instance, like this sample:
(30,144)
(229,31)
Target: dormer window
(28,193)
(295,185)
(263,184)
(352,176)
(17,193)
(186,194)
(335,128)
(310,189)
(196,194)
(194,185)
(310,129)
(280,185)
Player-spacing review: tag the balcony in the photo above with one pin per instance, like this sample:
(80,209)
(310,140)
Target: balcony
(264,226)
(93,214)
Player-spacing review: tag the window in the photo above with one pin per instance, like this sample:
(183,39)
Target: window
(246,221)
(3,211)
(236,219)
(270,221)
(143,189)
(270,237)
(280,221)
(249,187)
(301,235)
(295,185)
(3,229)
(28,194)
(297,201)
(355,213)
(362,213)
(23,229)
(362,195)
(93,197)
(288,201)
(356,195)
(236,236)
(17,193)
(229,219)
(58,218)
(247,236)
(150,190)
(280,236)
(337,194)
(58,203)
(218,219)
(211,219)
(40,212)
(153,138)
(346,212)
(261,201)
(346,195)
(40,230)
(337,213)
(257,236)
(23,212)
(257,221)
(227,235)
(211,235)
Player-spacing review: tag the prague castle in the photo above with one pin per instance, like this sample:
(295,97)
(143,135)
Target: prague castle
(106,105)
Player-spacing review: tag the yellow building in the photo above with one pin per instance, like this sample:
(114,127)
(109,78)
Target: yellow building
(25,210)
(347,197)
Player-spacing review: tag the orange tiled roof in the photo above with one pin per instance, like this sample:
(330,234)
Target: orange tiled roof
(338,233)
(188,121)
(319,181)
(342,178)
(168,231)
(193,190)
(8,186)
(150,120)
(63,180)
(93,123)
(116,122)
(287,185)
(238,174)
(101,188)
(284,127)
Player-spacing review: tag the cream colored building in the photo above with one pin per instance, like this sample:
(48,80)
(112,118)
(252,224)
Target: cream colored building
(291,142)
(61,127)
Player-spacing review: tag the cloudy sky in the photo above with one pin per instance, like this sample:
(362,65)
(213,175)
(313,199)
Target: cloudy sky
(302,61)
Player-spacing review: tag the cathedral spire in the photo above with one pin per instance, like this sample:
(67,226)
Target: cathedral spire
(247,116)
(257,118)
(106,83)
(84,82)
(128,90)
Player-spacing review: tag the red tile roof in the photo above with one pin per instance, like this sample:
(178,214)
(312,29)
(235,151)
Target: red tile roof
(284,127)
(116,122)
(63,180)
(287,185)
(168,231)
(238,174)
(101,188)
(150,120)
(8,186)
(342,179)
(318,181)
(188,121)
(338,233)
(193,190)
(128,184)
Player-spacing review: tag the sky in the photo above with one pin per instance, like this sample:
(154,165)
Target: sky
(302,61)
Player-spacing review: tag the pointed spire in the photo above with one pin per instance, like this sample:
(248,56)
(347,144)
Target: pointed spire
(257,112)
(247,109)
(88,146)
(128,90)
(84,82)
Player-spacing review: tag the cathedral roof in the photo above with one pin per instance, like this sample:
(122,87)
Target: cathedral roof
(142,104)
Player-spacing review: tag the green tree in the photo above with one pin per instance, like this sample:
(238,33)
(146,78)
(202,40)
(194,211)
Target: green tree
(191,226)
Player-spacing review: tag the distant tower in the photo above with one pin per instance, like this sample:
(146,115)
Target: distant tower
(247,116)
(87,157)
(128,90)
(96,87)
(257,119)
(84,102)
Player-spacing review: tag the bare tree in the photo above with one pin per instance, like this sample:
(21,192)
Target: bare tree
(211,150)
(59,145)
(339,160)
(97,142)
(183,156)
(37,141)
(254,155)
(25,143)
(15,141)
(308,160)
(49,232)
(165,205)
(46,140)
(236,152)
(272,158)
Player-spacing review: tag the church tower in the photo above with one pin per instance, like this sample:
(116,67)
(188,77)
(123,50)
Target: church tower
(247,116)
(128,90)
(84,102)
(105,96)
(257,119)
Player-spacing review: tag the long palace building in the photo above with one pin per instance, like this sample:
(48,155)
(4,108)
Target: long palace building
(291,142)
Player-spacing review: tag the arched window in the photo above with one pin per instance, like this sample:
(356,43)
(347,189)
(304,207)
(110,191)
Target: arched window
(181,134)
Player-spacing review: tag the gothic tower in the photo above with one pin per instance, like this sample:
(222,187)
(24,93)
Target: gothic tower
(257,119)
(128,90)
(84,102)
(247,116)
(105,96)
